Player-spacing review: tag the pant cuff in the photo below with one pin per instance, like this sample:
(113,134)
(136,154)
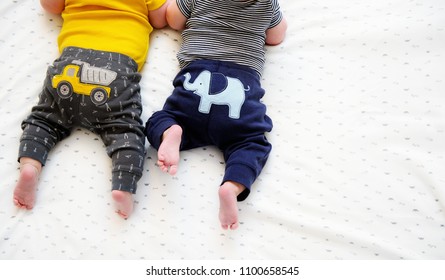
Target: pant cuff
(241,174)
(33,149)
(154,132)
(124,181)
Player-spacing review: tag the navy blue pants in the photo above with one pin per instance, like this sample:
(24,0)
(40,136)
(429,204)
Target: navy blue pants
(218,103)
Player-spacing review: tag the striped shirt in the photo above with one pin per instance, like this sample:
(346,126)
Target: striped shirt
(227,30)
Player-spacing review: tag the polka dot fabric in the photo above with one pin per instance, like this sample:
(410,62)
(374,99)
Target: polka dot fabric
(356,94)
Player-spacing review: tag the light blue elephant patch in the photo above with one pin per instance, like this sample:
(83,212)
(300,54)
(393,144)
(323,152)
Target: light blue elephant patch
(233,95)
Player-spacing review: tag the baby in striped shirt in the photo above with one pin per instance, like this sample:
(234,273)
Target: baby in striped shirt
(217,93)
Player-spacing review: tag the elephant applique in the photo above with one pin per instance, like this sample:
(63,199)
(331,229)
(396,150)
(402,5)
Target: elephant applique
(233,95)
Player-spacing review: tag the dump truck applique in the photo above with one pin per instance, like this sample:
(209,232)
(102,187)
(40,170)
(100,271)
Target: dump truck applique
(81,78)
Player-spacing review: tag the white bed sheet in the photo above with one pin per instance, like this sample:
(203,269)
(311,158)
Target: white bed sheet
(357,96)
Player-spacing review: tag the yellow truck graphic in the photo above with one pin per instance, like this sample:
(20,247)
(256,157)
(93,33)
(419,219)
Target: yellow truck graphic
(81,78)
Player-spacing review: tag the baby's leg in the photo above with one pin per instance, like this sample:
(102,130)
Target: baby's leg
(25,190)
(168,152)
(228,209)
(124,203)
(127,169)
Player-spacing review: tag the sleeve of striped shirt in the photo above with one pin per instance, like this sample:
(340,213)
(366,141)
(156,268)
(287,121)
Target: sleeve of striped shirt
(185,7)
(277,14)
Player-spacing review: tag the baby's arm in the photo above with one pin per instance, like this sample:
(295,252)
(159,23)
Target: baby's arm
(53,6)
(157,17)
(275,35)
(175,18)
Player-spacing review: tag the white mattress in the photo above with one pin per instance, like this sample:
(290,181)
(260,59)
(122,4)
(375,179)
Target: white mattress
(357,170)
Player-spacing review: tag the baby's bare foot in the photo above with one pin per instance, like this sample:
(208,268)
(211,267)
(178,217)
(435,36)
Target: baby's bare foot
(25,190)
(124,203)
(168,152)
(228,209)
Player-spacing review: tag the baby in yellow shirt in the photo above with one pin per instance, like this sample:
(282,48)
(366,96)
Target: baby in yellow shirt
(93,84)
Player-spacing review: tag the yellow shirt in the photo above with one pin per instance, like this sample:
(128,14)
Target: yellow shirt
(110,25)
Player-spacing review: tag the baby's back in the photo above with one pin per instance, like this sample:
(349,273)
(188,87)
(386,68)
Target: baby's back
(232,30)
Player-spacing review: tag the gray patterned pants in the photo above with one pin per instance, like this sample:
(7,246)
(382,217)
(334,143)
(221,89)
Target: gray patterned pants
(98,91)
